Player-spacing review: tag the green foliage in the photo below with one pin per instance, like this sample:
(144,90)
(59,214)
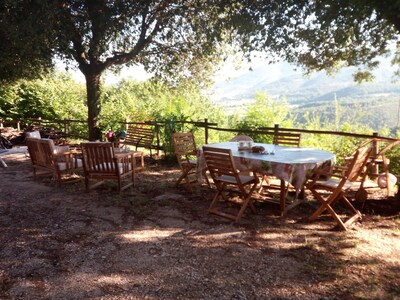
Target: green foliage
(169,39)
(25,49)
(322,35)
(265,112)
(54,97)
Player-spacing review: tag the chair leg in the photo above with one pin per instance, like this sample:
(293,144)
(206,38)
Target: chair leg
(327,205)
(246,198)
(185,176)
(247,201)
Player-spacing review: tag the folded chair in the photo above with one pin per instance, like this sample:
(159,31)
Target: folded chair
(101,163)
(186,154)
(378,159)
(46,160)
(340,181)
(222,168)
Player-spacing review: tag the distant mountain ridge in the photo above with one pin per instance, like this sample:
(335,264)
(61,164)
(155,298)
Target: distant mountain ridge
(281,80)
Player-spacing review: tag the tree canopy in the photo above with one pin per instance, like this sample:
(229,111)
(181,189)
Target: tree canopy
(185,39)
(324,34)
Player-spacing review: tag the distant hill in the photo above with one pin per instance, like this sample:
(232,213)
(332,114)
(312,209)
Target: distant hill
(281,80)
(379,99)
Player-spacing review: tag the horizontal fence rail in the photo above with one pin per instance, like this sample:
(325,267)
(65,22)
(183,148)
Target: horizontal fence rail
(65,123)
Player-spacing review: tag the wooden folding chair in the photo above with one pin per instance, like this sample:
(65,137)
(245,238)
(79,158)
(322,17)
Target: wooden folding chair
(340,181)
(186,154)
(223,171)
(101,163)
(287,139)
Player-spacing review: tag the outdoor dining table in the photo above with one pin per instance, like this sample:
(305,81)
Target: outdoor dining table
(289,164)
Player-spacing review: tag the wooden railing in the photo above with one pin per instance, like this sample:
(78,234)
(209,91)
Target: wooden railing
(64,125)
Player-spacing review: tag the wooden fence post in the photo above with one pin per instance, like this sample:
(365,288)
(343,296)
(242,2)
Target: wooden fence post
(375,150)
(276,129)
(157,129)
(65,122)
(206,130)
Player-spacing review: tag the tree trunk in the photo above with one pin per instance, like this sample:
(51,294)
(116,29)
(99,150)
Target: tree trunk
(94,105)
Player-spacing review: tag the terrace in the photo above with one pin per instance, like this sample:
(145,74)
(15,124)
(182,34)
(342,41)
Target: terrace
(158,241)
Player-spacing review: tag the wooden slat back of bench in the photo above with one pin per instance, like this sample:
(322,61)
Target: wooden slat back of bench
(140,136)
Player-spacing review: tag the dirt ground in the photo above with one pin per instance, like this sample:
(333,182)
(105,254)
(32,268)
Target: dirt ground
(157,241)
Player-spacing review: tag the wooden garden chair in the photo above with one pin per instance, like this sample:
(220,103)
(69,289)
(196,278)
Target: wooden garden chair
(339,182)
(222,168)
(186,154)
(287,139)
(102,163)
(47,160)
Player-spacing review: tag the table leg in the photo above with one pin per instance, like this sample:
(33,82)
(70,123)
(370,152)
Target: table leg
(3,163)
(283,197)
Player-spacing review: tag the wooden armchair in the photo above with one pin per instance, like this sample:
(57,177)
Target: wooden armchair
(102,163)
(339,182)
(222,168)
(186,154)
(46,160)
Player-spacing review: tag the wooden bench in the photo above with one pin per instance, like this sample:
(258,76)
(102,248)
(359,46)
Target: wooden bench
(141,136)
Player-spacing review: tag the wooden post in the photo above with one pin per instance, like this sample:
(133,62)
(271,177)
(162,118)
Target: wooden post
(276,130)
(18,125)
(1,123)
(65,122)
(375,150)
(157,129)
(206,130)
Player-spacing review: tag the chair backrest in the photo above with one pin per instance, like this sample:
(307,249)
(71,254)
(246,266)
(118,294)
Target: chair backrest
(41,152)
(33,134)
(220,162)
(99,158)
(287,139)
(140,136)
(184,143)
(244,138)
(356,167)
(382,145)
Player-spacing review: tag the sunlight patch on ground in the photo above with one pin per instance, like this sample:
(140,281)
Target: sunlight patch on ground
(149,235)
(219,236)
(376,243)
(113,279)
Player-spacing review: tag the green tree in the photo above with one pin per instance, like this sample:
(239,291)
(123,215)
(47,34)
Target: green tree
(265,112)
(167,37)
(324,34)
(185,38)
(24,49)
(55,96)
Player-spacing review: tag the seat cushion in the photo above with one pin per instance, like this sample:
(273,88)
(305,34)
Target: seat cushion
(63,166)
(110,165)
(231,179)
(332,183)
